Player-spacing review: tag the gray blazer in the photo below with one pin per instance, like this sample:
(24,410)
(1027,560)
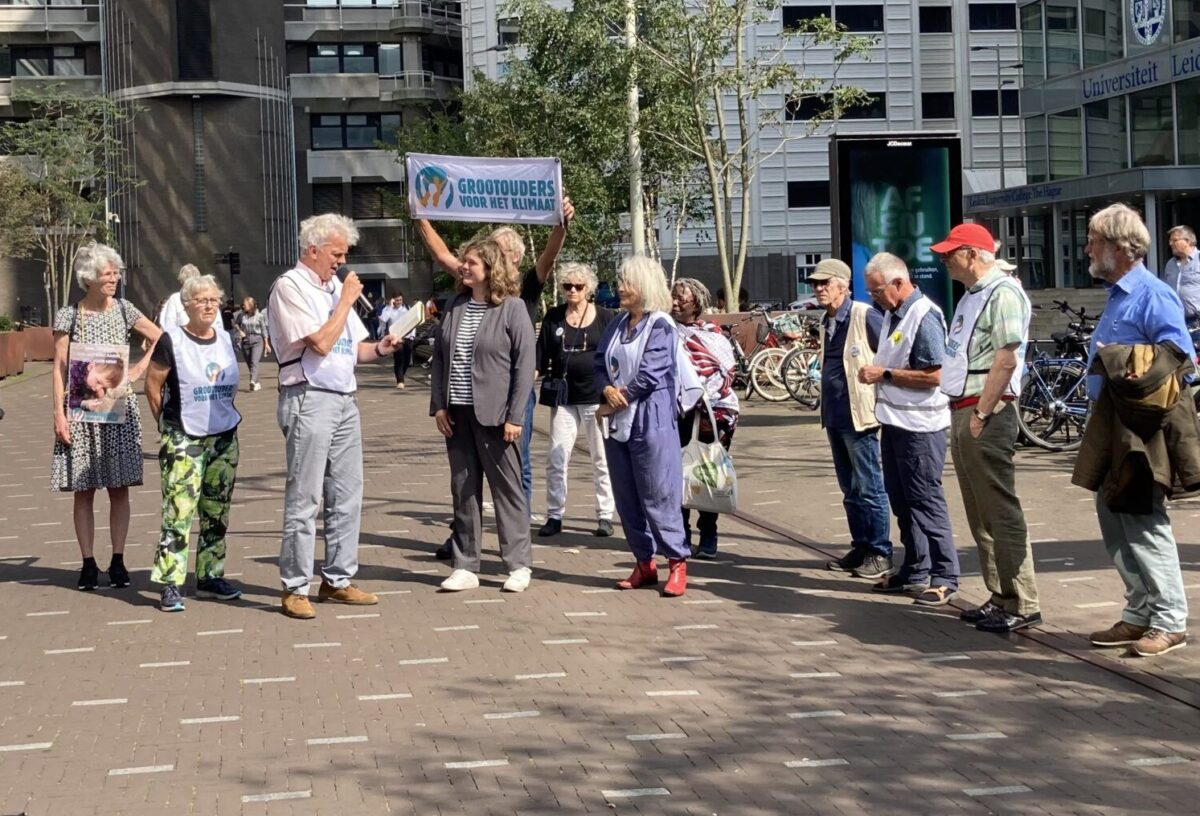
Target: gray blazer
(503,363)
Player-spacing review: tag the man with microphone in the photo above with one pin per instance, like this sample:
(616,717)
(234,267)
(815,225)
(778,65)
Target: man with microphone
(318,340)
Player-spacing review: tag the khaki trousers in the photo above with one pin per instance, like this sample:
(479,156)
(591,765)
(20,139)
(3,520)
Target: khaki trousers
(987,480)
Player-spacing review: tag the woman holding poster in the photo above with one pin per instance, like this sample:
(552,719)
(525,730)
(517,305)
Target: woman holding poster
(191,385)
(97,427)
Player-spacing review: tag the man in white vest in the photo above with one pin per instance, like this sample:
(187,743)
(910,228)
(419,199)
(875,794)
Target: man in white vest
(985,355)
(914,415)
(318,340)
(848,340)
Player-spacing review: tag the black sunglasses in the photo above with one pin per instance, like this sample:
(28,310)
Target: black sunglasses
(574,287)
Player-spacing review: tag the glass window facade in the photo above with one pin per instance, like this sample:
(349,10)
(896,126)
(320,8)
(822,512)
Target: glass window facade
(1187,20)
(1107,142)
(937,105)
(1066,144)
(1033,49)
(1036,159)
(934,20)
(1062,37)
(1102,31)
(1188,94)
(1152,127)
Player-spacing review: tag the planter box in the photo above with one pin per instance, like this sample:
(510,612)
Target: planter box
(12,353)
(39,344)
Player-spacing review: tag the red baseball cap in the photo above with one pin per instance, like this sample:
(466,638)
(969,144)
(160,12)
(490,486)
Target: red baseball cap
(974,236)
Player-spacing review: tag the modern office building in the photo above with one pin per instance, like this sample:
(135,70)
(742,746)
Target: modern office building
(937,66)
(249,117)
(1110,108)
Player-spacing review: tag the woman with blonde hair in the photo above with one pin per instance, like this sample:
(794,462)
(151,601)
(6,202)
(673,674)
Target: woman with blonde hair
(567,344)
(483,364)
(637,367)
(251,327)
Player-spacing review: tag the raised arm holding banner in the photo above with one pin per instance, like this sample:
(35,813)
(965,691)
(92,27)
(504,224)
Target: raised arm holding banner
(465,188)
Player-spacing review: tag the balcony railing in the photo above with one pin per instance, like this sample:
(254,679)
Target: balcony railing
(30,17)
(399,15)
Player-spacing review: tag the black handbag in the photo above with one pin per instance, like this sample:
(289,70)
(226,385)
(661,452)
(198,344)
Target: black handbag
(553,392)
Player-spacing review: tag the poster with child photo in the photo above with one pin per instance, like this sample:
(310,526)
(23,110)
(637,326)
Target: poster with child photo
(97,383)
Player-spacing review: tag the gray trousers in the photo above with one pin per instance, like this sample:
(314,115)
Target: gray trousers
(1147,559)
(476,451)
(323,439)
(252,350)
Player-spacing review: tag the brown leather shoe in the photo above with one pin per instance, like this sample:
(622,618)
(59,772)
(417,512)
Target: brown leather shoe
(349,594)
(1157,642)
(297,606)
(1119,634)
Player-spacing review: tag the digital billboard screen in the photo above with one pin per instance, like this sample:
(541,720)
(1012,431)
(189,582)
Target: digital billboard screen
(898,194)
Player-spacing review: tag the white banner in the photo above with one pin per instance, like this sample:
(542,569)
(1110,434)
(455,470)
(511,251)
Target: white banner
(464,188)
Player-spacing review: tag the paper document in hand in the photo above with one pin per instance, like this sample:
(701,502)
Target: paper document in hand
(407,322)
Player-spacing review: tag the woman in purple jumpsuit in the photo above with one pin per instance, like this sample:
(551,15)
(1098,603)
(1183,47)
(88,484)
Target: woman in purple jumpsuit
(635,368)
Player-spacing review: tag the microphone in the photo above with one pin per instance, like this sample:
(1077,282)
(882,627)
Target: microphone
(342,272)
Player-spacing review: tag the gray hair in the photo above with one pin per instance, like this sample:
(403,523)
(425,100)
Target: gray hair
(581,271)
(510,239)
(697,290)
(1185,231)
(187,272)
(193,286)
(92,259)
(319,230)
(1121,225)
(890,266)
(646,275)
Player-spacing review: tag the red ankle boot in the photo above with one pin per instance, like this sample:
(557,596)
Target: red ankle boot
(677,581)
(645,573)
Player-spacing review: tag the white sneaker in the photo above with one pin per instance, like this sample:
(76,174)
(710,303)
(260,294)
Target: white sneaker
(255,386)
(518,580)
(462,579)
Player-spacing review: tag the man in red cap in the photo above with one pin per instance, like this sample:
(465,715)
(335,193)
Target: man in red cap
(981,374)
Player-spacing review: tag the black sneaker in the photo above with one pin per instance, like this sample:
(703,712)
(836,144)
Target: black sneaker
(1001,621)
(118,576)
(708,548)
(874,567)
(895,585)
(552,527)
(171,600)
(604,529)
(976,615)
(446,551)
(89,576)
(217,588)
(848,562)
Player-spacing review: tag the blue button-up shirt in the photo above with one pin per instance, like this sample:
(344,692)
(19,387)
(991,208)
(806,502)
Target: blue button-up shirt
(1140,309)
(835,395)
(1184,278)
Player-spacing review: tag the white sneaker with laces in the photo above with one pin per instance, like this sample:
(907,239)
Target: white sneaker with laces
(462,579)
(518,580)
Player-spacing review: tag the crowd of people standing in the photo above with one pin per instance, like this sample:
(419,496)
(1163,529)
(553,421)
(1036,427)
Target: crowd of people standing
(901,386)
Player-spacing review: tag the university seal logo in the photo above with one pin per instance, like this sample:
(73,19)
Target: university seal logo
(1146,18)
(432,185)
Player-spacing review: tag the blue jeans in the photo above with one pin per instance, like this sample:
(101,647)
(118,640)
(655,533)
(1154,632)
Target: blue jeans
(526,441)
(860,476)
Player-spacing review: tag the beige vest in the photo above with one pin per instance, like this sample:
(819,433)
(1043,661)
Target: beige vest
(856,354)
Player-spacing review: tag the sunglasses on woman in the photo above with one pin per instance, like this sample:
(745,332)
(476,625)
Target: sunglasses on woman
(574,287)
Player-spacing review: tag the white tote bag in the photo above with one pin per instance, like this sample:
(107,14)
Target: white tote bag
(709,480)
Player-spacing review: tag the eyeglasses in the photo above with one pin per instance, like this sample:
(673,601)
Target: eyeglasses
(206,301)
(819,284)
(574,287)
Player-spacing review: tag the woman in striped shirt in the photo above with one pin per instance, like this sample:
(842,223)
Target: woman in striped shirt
(483,365)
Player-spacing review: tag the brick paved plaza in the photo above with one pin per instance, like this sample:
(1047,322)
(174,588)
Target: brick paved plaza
(772,687)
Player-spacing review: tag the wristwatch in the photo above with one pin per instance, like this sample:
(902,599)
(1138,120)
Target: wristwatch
(887,373)
(982,417)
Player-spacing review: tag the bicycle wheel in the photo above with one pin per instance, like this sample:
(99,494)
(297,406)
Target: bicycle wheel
(765,376)
(1053,408)
(801,372)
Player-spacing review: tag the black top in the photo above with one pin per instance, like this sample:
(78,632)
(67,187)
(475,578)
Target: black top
(531,293)
(564,350)
(164,355)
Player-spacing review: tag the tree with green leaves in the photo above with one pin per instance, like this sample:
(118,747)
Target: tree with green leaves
(73,159)
(18,207)
(737,92)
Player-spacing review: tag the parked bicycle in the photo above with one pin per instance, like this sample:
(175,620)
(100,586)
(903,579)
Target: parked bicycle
(801,368)
(758,371)
(1053,407)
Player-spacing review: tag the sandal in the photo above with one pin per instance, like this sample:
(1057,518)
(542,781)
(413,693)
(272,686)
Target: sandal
(894,584)
(936,596)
